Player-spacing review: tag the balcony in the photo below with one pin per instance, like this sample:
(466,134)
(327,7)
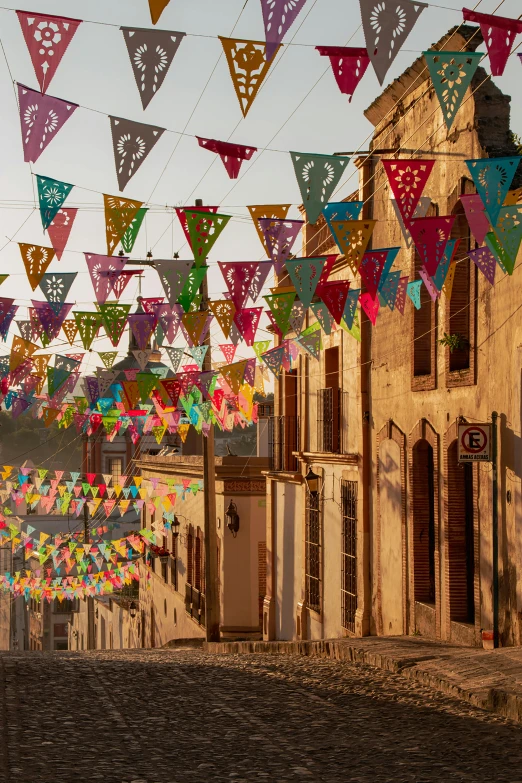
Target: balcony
(283,439)
(332,421)
(195,604)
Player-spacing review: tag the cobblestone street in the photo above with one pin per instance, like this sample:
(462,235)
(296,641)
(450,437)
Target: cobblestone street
(170,716)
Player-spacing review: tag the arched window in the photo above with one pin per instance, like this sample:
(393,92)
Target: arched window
(424,331)
(459,316)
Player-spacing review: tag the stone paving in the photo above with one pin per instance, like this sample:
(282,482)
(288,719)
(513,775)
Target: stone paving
(186,716)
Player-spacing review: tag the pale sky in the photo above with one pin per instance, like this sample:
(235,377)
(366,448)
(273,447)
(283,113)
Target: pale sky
(298,108)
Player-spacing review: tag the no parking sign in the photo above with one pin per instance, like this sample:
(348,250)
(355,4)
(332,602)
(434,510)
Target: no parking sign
(474,442)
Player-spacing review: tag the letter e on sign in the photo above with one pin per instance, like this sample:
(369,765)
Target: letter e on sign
(474,442)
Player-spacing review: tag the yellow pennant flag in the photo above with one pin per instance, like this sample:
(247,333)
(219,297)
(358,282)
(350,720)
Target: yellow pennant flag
(40,369)
(183,431)
(20,350)
(352,238)
(234,374)
(119,214)
(448,283)
(275,211)
(49,415)
(36,260)
(194,324)
(8,469)
(124,505)
(223,311)
(70,328)
(248,68)
(246,400)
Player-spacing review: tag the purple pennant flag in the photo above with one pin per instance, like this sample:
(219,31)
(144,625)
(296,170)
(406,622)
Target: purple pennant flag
(19,406)
(278,17)
(51,319)
(280,236)
(142,325)
(484,259)
(41,117)
(169,319)
(104,271)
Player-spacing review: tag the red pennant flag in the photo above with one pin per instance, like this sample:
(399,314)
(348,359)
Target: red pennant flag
(47,38)
(334,295)
(370,306)
(349,65)
(60,229)
(430,235)
(499,33)
(182,217)
(232,155)
(371,269)
(91,476)
(407,180)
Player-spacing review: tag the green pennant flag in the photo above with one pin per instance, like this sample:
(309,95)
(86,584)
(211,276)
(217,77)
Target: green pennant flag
(88,325)
(129,238)
(261,347)
(305,274)
(81,404)
(3,278)
(146,382)
(51,195)
(504,241)
(194,280)
(56,379)
(204,228)
(108,358)
(281,307)
(114,319)
(451,74)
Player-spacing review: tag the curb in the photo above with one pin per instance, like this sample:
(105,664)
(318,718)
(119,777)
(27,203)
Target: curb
(494,699)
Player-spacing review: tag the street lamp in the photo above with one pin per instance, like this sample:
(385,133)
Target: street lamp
(232,518)
(133,610)
(313,482)
(175,527)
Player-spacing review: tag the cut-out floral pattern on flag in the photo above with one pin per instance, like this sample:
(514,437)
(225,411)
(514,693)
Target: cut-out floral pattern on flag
(131,143)
(349,65)
(431,235)
(173,275)
(36,261)
(247,321)
(248,68)
(413,291)
(317,177)
(334,295)
(420,211)
(119,214)
(506,238)
(476,216)
(386,25)
(499,33)
(278,17)
(232,155)
(55,286)
(273,211)
(342,210)
(400,299)
(280,236)
(370,306)
(151,53)
(407,180)
(60,229)
(371,269)
(223,311)
(484,259)
(51,196)
(352,238)
(493,178)
(389,289)
(204,229)
(239,277)
(305,274)
(47,38)
(41,117)
(128,240)
(451,74)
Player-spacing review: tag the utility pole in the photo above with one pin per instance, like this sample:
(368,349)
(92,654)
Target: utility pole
(91,641)
(212,610)
(494,501)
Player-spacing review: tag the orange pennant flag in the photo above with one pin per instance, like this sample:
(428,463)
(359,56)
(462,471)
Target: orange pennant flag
(275,211)
(40,369)
(234,374)
(248,67)
(194,324)
(36,260)
(183,431)
(156,9)
(20,350)
(70,328)
(49,415)
(224,311)
(119,214)
(448,283)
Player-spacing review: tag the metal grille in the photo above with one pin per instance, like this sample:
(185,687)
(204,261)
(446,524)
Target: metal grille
(349,554)
(283,439)
(332,421)
(195,604)
(313,551)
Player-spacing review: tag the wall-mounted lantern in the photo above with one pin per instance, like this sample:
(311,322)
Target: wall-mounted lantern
(232,518)
(313,482)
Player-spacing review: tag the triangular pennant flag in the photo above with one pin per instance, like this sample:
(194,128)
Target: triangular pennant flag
(413,291)
(272,211)
(51,196)
(60,229)
(223,311)
(407,180)
(400,299)
(131,144)
(232,155)
(247,321)
(41,117)
(278,17)
(49,415)
(297,317)
(181,212)
(114,319)
(151,53)
(88,325)
(108,358)
(352,238)
(431,235)
(386,26)
(281,307)
(426,279)
(370,306)
(274,359)
(499,34)
(234,374)
(248,68)
(156,9)
(334,295)
(342,210)
(448,283)
(451,74)
(484,259)
(229,351)
(312,343)
(142,326)
(173,275)
(104,270)
(323,315)
(192,284)
(349,65)
(47,38)
(146,382)
(476,216)
(443,268)
(239,277)
(305,274)
(493,178)
(194,324)
(420,211)
(317,177)
(505,241)
(105,379)
(56,285)
(198,353)
(388,291)
(175,356)
(36,260)
(51,317)
(119,214)
(371,269)
(204,229)
(280,236)
(128,240)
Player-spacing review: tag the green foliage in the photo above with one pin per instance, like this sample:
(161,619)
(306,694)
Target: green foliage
(517,141)
(28,438)
(454,342)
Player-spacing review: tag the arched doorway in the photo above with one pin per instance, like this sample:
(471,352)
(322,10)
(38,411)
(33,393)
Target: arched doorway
(390,500)
(460,538)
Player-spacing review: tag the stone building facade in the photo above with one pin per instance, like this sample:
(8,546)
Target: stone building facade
(415,546)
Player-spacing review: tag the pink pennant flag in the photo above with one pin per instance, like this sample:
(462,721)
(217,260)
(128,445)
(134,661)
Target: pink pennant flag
(182,217)
(430,235)
(47,38)
(433,292)
(400,298)
(232,155)
(104,270)
(247,321)
(325,274)
(60,229)
(239,277)
(476,216)
(120,283)
(499,33)
(280,236)
(41,117)
(484,259)
(371,268)
(349,65)
(370,306)
(229,351)
(334,295)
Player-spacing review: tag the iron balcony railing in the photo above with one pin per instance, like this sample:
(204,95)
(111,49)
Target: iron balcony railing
(283,438)
(195,604)
(332,421)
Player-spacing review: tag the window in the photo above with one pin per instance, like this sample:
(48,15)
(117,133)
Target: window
(174,564)
(423,523)
(116,469)
(424,331)
(348,554)
(60,629)
(195,563)
(313,551)
(65,606)
(461,310)
(332,407)
(61,646)
(165,566)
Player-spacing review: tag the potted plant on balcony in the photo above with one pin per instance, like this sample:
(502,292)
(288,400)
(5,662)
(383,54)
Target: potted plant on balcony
(161,552)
